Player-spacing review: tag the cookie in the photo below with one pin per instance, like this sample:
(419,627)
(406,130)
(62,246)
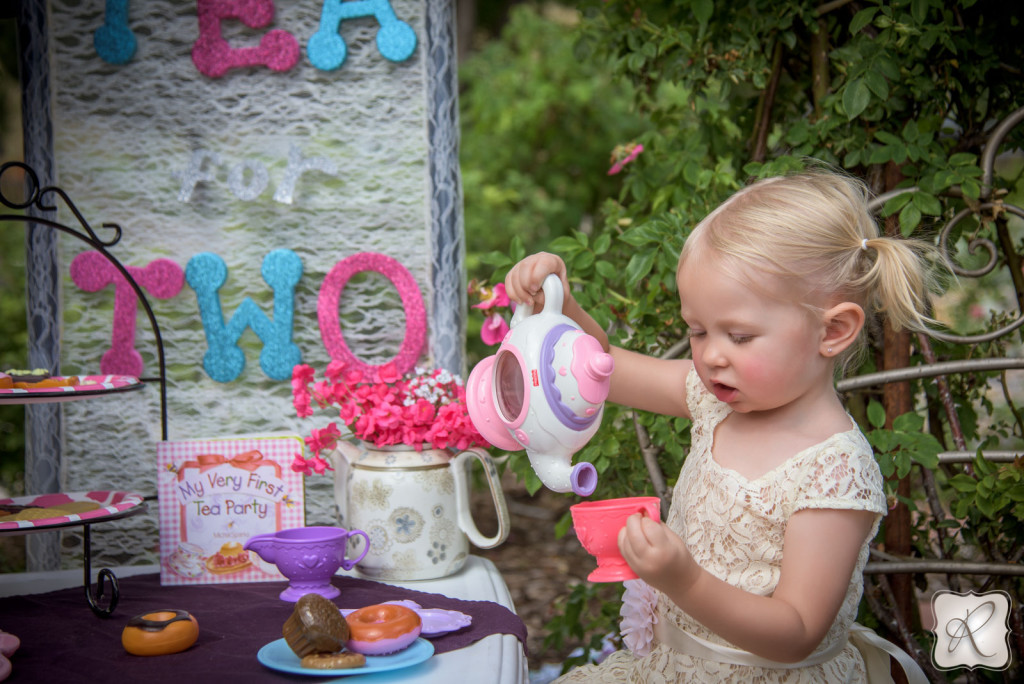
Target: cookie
(344,660)
(75,507)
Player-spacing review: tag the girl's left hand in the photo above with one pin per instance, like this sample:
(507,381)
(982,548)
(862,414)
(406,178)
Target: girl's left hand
(657,554)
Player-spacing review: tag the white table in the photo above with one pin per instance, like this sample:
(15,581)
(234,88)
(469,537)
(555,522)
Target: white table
(497,659)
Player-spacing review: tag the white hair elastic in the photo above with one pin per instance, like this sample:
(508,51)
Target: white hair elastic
(864,244)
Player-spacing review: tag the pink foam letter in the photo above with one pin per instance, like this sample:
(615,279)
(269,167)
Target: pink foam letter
(213,56)
(408,290)
(162,278)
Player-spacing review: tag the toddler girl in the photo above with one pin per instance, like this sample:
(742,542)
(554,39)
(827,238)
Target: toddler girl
(755,575)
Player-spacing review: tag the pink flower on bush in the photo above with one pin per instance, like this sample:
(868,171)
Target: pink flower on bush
(302,375)
(320,465)
(301,465)
(303,406)
(324,439)
(424,408)
(492,296)
(389,373)
(494,330)
(622,155)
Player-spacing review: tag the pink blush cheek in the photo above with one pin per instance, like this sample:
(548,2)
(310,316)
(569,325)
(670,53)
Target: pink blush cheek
(758,374)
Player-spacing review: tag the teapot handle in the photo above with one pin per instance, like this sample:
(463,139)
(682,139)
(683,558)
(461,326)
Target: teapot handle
(553,298)
(464,516)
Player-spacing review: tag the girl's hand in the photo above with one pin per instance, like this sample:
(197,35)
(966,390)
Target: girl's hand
(523,283)
(657,555)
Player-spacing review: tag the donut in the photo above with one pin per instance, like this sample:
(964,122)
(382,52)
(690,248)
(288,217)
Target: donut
(159,633)
(75,507)
(382,628)
(31,376)
(333,661)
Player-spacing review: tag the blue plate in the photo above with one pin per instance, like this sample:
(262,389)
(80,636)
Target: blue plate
(278,655)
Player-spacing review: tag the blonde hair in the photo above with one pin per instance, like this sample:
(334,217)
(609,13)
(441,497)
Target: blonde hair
(814,231)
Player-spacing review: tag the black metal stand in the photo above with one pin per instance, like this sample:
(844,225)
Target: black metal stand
(39,198)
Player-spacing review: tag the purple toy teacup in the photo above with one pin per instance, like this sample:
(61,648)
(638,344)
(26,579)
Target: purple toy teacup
(308,557)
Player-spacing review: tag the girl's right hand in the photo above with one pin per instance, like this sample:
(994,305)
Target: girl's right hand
(524,282)
(658,555)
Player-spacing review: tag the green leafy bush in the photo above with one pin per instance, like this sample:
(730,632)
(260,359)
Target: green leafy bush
(902,94)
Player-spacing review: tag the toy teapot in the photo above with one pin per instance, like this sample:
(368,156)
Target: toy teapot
(544,391)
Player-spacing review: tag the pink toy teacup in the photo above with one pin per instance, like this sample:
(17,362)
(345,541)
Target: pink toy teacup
(597,525)
(308,557)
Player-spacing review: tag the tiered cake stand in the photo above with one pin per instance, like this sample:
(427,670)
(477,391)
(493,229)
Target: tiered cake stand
(34,207)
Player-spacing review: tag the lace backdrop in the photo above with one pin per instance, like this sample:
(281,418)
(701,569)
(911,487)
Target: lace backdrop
(187,163)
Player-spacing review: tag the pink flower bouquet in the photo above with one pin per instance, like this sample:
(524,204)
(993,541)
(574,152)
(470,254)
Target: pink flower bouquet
(425,408)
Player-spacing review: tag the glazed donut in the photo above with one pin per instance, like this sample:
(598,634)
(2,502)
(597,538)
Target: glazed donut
(382,628)
(159,633)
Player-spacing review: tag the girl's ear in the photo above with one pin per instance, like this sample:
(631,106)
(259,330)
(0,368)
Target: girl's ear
(843,323)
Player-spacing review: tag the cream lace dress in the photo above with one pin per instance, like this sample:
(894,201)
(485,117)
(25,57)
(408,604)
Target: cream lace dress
(734,528)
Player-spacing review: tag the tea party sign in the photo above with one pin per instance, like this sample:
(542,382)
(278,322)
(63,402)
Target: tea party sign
(285,178)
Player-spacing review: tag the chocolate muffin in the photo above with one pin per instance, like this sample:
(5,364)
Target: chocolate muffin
(315,626)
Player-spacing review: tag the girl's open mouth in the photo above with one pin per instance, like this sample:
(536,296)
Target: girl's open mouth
(725,393)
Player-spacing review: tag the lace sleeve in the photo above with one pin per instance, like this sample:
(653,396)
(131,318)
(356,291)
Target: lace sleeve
(698,397)
(842,475)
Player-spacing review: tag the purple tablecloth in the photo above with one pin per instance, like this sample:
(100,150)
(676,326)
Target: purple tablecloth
(63,641)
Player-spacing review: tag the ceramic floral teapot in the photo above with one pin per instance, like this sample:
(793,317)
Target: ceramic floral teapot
(414,507)
(544,391)
(412,497)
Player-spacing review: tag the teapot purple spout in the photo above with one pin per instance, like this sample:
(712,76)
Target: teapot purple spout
(308,557)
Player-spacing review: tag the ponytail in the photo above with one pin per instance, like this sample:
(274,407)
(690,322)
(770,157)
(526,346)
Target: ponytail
(897,282)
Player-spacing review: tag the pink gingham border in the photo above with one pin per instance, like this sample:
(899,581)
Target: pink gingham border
(280,449)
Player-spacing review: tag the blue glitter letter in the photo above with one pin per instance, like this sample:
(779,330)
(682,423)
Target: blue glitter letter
(114,41)
(327,51)
(224,361)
